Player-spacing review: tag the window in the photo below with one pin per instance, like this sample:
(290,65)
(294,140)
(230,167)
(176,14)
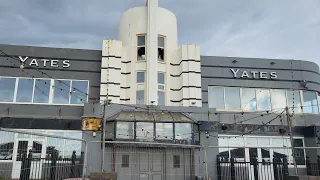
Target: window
(183,131)
(176,161)
(41,91)
(248,100)
(72,145)
(294,100)
(141,48)
(140,87)
(140,77)
(164,131)
(161,89)
(161,98)
(278,99)
(46,91)
(232,98)
(263,99)
(125,130)
(25,90)
(216,97)
(61,92)
(252,99)
(79,92)
(310,102)
(161,42)
(125,160)
(144,131)
(140,97)
(6,146)
(7,86)
(299,153)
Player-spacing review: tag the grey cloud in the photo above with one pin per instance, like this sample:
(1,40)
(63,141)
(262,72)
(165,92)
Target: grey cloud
(248,28)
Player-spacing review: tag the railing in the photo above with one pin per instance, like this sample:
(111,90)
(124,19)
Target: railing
(313,169)
(232,169)
(51,167)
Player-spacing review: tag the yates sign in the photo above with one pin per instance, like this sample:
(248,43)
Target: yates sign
(253,74)
(45,62)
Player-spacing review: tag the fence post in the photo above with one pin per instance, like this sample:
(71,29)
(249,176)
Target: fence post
(308,164)
(285,167)
(81,164)
(53,168)
(23,171)
(73,165)
(233,172)
(318,167)
(26,166)
(275,162)
(218,167)
(255,167)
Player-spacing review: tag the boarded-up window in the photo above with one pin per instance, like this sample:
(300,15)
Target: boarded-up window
(125,160)
(176,161)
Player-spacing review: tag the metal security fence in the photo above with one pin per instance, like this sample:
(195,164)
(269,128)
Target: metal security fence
(231,169)
(313,168)
(40,155)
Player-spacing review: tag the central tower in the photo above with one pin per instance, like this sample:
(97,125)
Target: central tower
(146,66)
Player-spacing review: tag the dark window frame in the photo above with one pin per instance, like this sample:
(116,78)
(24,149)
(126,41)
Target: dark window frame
(176,161)
(125,160)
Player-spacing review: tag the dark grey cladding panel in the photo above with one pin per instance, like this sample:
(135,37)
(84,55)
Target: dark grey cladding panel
(256,118)
(86,66)
(285,75)
(43,123)
(41,111)
(94,78)
(47,52)
(258,63)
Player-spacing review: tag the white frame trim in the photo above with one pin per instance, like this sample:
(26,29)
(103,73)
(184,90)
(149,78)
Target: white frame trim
(270,145)
(164,49)
(145,47)
(51,91)
(270,99)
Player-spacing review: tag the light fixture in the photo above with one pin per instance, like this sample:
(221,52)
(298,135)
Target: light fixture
(21,66)
(234,61)
(94,134)
(273,63)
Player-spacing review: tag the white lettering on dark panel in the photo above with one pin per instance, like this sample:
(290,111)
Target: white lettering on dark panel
(253,74)
(45,62)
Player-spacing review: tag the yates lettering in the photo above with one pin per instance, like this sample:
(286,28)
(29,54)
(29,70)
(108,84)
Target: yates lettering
(45,62)
(253,74)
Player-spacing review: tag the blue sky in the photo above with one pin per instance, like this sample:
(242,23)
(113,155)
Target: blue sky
(247,28)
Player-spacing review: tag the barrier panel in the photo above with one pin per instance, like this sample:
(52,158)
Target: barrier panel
(30,155)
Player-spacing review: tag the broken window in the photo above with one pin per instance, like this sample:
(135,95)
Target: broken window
(141,48)
(161,48)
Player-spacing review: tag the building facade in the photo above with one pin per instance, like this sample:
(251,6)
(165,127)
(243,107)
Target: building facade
(152,85)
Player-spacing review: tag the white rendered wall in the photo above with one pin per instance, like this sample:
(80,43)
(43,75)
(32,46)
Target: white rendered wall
(181,66)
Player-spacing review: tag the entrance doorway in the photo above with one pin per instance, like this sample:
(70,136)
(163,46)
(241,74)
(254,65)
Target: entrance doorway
(140,163)
(151,164)
(22,148)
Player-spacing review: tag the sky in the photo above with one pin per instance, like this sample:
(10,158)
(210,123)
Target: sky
(239,28)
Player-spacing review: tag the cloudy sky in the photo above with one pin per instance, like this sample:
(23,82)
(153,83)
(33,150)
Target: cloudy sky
(245,28)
